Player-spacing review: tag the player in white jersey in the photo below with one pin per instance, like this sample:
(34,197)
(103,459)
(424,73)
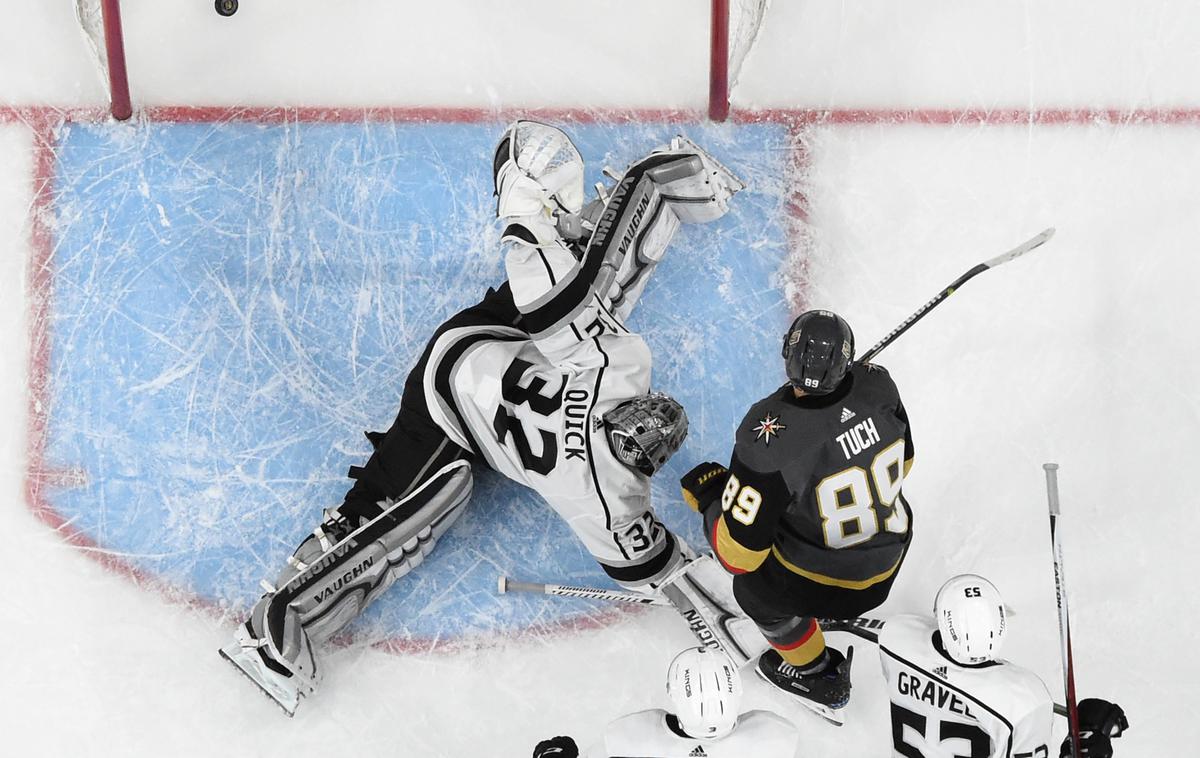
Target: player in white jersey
(705,690)
(541,381)
(953,697)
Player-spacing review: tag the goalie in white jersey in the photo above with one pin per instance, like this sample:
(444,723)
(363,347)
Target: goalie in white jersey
(705,721)
(953,697)
(541,381)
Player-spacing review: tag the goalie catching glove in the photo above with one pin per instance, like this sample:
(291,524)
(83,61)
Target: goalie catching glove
(702,485)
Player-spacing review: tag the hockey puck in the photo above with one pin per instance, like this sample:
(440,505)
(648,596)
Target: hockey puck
(226,7)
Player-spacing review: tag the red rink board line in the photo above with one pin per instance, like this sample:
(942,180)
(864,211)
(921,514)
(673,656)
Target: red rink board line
(43,122)
(793,116)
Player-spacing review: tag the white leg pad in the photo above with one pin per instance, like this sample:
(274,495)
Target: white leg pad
(703,594)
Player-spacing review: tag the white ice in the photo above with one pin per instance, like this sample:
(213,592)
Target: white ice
(1083,353)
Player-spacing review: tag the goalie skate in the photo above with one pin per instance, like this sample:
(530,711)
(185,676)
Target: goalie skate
(284,683)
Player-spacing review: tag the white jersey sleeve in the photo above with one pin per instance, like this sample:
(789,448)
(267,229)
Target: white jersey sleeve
(655,734)
(940,709)
(567,300)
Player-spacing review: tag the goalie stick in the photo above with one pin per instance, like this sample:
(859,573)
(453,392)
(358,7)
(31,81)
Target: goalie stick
(1064,623)
(864,627)
(1016,252)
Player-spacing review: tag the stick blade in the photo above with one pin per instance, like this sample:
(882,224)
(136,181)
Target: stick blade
(1032,244)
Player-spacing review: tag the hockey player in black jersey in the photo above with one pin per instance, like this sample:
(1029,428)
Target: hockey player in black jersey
(809,516)
(541,381)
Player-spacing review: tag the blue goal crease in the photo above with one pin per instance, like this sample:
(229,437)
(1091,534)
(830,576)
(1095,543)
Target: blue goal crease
(233,304)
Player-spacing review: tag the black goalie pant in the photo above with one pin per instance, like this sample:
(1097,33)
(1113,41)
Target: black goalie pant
(410,452)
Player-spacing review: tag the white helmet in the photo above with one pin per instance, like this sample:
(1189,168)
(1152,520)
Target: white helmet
(971,618)
(706,692)
(536,170)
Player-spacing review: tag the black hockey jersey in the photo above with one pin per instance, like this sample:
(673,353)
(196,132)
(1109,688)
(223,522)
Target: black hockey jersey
(815,484)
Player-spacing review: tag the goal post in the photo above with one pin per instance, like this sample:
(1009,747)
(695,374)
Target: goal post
(735,27)
(100,21)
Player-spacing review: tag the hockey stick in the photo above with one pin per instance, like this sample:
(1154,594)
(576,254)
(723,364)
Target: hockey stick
(1060,591)
(866,628)
(591,593)
(976,270)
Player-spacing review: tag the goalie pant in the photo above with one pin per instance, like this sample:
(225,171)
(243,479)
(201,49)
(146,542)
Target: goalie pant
(517,383)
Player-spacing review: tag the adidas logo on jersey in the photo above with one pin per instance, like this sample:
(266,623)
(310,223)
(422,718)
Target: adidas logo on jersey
(847,414)
(940,671)
(698,752)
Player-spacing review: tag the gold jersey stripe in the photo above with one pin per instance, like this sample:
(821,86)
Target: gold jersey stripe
(734,553)
(908,466)
(829,581)
(805,652)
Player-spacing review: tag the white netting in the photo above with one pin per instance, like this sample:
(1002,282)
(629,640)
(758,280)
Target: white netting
(745,23)
(91,23)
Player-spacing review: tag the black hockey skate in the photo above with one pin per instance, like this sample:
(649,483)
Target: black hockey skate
(825,693)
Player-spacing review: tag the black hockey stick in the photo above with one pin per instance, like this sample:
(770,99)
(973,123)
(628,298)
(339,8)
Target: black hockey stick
(1064,623)
(976,270)
(866,628)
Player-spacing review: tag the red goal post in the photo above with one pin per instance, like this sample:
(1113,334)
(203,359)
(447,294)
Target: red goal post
(735,28)
(101,23)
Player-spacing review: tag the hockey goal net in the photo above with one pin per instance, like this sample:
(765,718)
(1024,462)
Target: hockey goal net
(735,27)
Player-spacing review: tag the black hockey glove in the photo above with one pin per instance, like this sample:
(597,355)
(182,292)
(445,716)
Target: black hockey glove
(1099,722)
(702,485)
(556,747)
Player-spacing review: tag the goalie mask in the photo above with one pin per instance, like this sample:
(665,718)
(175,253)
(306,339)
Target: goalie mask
(645,431)
(536,170)
(706,691)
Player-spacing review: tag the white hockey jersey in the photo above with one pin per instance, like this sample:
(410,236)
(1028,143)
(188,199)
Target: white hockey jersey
(655,734)
(524,380)
(941,709)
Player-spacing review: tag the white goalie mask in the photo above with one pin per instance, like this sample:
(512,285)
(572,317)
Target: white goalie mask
(536,171)
(971,619)
(706,692)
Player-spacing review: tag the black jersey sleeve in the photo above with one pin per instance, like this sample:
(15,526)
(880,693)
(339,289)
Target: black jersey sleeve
(742,530)
(902,414)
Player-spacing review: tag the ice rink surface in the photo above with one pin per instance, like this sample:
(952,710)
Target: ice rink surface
(201,319)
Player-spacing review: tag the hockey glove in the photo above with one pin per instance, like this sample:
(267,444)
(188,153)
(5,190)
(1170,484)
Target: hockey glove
(702,485)
(556,747)
(1099,722)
